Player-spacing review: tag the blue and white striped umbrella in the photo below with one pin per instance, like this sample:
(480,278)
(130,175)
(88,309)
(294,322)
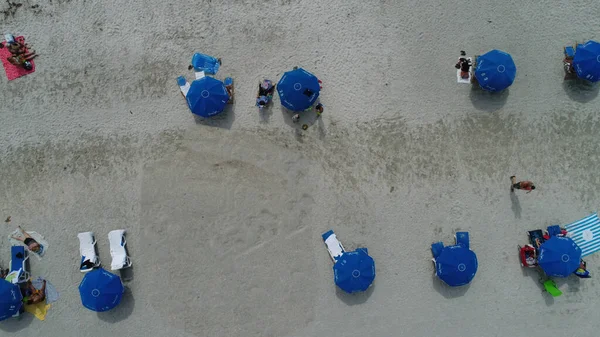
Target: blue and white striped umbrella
(586,234)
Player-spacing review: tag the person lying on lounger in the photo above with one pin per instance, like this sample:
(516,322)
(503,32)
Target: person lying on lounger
(582,271)
(30,242)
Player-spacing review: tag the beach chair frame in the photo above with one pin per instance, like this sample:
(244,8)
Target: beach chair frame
(24,276)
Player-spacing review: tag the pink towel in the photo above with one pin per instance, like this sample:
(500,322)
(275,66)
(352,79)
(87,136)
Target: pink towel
(13,71)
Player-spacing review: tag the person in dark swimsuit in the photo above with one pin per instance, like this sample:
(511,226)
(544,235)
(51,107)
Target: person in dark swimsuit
(30,242)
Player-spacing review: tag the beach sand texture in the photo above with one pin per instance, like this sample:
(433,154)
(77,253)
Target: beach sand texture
(224,216)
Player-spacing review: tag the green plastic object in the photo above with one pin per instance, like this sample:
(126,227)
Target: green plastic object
(551,288)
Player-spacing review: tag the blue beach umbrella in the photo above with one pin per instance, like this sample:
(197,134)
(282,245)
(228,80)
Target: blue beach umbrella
(456,265)
(354,271)
(10,299)
(559,256)
(101,290)
(587,61)
(495,70)
(207,97)
(298,89)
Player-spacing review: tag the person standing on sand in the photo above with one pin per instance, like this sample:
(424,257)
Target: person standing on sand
(319,109)
(521,185)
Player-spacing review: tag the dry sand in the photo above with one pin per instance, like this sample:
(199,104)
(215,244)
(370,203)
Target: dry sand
(224,216)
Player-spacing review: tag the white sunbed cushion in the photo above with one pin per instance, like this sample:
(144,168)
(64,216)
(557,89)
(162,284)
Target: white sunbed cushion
(86,246)
(117,249)
(334,246)
(199,74)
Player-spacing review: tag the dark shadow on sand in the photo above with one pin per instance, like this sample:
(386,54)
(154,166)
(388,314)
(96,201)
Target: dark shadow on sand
(126,274)
(488,101)
(446,290)
(516,205)
(121,311)
(15,324)
(308,118)
(355,298)
(223,120)
(580,90)
(264,114)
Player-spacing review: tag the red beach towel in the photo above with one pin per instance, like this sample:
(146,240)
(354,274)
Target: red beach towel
(13,71)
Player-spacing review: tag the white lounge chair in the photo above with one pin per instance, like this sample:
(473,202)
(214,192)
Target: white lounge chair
(87,249)
(117,241)
(334,247)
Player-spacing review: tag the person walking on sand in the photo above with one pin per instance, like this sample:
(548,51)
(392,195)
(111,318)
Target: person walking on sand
(521,185)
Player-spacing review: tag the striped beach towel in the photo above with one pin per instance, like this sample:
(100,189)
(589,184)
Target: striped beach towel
(586,234)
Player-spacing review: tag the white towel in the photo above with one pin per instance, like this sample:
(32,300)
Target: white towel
(35,235)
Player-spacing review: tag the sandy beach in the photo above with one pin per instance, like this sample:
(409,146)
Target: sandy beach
(224,216)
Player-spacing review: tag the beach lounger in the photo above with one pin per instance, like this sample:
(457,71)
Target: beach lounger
(554,230)
(569,52)
(536,238)
(586,234)
(18,263)
(206,63)
(118,252)
(334,247)
(462,238)
(87,249)
(436,249)
(551,288)
(184,85)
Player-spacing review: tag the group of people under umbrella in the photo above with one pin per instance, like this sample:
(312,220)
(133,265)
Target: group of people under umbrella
(99,290)
(207,96)
(495,70)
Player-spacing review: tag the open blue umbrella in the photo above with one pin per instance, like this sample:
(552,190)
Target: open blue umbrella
(495,70)
(101,290)
(587,61)
(456,265)
(10,299)
(207,97)
(354,271)
(560,256)
(298,89)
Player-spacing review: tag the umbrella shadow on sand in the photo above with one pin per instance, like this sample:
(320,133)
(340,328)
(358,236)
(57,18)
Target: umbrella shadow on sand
(448,291)
(580,90)
(488,101)
(223,120)
(355,298)
(16,324)
(309,118)
(121,311)
(537,276)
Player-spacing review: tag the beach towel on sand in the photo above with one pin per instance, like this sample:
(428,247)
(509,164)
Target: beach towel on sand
(13,71)
(39,310)
(51,292)
(37,236)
